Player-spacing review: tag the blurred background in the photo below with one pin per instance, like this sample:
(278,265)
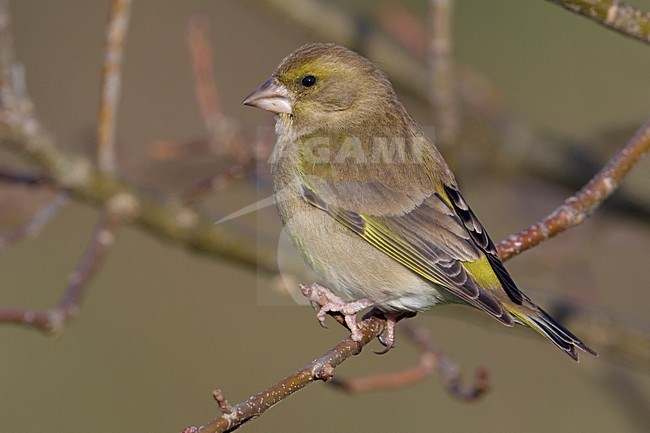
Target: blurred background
(161,327)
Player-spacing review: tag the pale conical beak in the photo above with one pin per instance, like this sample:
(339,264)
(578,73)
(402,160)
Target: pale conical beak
(270,96)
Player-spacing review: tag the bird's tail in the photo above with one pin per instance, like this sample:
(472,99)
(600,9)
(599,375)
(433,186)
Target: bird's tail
(564,339)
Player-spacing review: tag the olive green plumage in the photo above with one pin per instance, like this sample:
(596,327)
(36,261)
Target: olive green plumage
(371,204)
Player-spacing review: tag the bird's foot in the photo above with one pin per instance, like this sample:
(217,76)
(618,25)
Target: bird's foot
(329,302)
(387,338)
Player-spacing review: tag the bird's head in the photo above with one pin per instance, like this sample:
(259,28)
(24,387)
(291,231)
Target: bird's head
(324,86)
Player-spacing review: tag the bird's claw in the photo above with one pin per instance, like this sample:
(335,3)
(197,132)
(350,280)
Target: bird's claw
(387,338)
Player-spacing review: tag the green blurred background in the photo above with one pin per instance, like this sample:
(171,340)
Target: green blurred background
(161,327)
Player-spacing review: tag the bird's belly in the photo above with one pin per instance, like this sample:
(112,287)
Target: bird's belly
(349,264)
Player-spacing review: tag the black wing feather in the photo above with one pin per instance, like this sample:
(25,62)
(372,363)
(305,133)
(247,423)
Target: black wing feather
(483,241)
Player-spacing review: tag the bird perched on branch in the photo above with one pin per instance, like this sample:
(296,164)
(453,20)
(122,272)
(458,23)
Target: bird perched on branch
(371,204)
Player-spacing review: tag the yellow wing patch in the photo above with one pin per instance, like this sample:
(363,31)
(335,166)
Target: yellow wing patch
(482,272)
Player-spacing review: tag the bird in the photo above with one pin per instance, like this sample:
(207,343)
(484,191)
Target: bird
(372,206)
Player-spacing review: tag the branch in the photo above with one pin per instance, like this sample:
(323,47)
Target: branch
(616,15)
(432,360)
(582,204)
(21,132)
(226,139)
(322,368)
(54,319)
(205,87)
(442,79)
(118,21)
(171,221)
(6,55)
(27,178)
(34,226)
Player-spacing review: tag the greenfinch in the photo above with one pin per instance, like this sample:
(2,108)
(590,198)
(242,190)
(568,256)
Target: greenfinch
(371,204)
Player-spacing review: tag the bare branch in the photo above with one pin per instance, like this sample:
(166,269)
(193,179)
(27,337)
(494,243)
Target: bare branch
(29,178)
(6,55)
(21,131)
(34,226)
(224,406)
(54,319)
(616,15)
(204,85)
(214,183)
(320,369)
(92,257)
(432,360)
(171,221)
(118,21)
(442,83)
(323,368)
(582,204)
(226,139)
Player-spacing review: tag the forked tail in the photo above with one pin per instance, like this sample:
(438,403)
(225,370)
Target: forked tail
(543,323)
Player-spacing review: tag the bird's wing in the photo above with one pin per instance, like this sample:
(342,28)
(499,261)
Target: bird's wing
(440,239)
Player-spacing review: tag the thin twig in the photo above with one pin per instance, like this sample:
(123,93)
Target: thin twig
(28,178)
(319,369)
(443,93)
(616,15)
(431,360)
(323,368)
(205,87)
(118,21)
(6,56)
(223,404)
(168,220)
(225,134)
(22,132)
(35,225)
(226,138)
(582,204)
(54,319)
(214,183)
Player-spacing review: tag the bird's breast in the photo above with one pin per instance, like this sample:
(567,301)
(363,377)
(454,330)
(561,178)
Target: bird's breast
(341,258)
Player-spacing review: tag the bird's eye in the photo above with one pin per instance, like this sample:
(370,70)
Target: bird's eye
(308,81)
